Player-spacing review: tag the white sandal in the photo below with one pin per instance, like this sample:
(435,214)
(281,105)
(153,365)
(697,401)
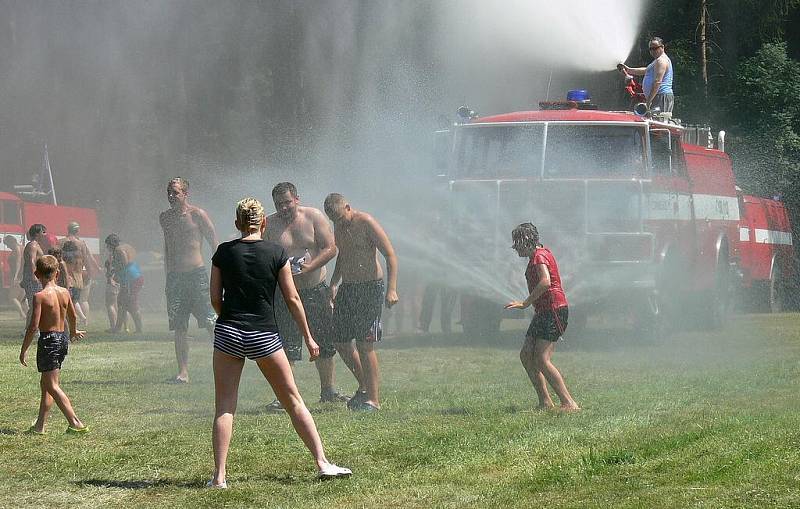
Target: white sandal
(331,471)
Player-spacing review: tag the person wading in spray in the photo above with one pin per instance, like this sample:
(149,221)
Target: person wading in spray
(244,274)
(306,235)
(358,302)
(185,227)
(549,322)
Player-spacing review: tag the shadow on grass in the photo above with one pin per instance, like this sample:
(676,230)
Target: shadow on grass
(8,431)
(140,484)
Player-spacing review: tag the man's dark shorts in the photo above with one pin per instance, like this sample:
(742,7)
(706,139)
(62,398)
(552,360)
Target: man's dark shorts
(31,287)
(51,349)
(316,302)
(357,312)
(549,325)
(187,294)
(664,102)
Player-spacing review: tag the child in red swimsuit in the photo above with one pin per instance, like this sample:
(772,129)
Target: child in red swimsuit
(550,320)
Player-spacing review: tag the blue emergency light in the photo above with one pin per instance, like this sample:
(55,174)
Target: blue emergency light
(579,96)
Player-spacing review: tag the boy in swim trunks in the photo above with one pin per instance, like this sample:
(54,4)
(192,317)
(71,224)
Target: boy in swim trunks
(357,304)
(50,307)
(550,320)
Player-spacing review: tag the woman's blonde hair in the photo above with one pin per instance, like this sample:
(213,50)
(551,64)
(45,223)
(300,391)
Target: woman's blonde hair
(249,214)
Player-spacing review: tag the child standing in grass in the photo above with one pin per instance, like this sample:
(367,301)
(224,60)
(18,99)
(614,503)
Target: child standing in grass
(550,320)
(50,307)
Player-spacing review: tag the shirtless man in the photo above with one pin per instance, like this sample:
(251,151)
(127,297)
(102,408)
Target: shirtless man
(93,269)
(305,233)
(32,252)
(185,226)
(15,293)
(357,309)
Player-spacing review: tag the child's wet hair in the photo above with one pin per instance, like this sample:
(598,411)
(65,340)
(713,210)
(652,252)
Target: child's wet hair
(47,266)
(525,235)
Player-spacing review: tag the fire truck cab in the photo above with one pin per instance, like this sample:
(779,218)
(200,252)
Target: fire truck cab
(638,218)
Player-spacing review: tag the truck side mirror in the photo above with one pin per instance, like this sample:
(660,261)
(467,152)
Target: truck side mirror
(442,148)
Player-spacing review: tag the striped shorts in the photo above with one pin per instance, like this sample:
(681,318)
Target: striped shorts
(245,344)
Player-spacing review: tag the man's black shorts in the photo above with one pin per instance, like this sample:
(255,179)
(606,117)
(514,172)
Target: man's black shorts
(549,325)
(51,349)
(187,294)
(317,304)
(357,312)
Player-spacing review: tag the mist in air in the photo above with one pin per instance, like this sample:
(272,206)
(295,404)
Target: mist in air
(334,96)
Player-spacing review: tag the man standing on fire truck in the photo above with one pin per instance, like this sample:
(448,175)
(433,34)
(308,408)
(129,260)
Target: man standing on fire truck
(185,227)
(657,82)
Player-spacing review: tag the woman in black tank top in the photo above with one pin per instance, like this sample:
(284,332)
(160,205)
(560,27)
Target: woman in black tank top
(244,275)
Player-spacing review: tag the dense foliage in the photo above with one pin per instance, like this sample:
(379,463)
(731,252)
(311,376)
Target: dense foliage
(753,82)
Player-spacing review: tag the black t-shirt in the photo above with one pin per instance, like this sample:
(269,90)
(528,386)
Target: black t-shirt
(249,276)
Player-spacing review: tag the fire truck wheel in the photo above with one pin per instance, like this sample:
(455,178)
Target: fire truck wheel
(656,313)
(578,319)
(480,318)
(716,302)
(777,289)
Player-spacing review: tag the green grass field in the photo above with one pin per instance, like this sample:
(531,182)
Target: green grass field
(700,420)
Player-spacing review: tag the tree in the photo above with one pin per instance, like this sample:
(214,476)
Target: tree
(767,129)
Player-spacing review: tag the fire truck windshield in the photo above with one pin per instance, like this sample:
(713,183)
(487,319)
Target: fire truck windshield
(513,151)
(593,151)
(10,213)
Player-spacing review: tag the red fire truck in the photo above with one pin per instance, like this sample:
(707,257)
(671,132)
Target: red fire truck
(642,213)
(16,216)
(766,254)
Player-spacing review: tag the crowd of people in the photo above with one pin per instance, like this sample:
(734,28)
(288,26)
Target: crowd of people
(244,315)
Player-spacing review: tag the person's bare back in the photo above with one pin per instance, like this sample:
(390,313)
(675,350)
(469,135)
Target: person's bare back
(54,303)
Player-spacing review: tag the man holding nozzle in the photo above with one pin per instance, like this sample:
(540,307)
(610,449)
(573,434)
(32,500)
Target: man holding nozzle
(657,82)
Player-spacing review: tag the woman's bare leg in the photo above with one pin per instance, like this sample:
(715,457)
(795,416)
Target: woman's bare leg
(227,373)
(278,373)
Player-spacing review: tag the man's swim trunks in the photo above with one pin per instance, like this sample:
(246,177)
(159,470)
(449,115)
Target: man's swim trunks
(187,293)
(316,302)
(51,349)
(31,287)
(357,312)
